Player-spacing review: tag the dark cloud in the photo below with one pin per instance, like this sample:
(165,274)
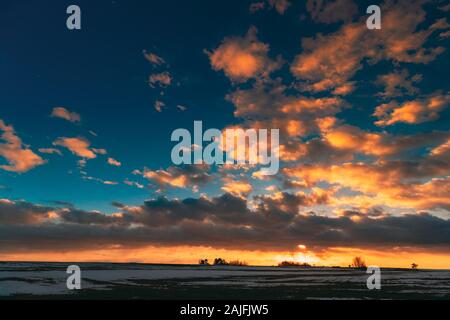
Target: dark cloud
(327,11)
(222,222)
(90,217)
(22,212)
(62,203)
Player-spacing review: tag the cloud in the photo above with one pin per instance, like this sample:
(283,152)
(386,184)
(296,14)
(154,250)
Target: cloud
(442,149)
(412,112)
(378,144)
(267,105)
(339,143)
(191,176)
(445,8)
(161,79)
(344,89)
(329,11)
(99,151)
(236,187)
(65,114)
(280,5)
(134,184)
(153,58)
(329,61)
(242,58)
(445,35)
(79,146)
(393,183)
(269,100)
(225,221)
(20,158)
(86,177)
(256,6)
(81,217)
(397,83)
(23,213)
(314,150)
(159,105)
(114,162)
(50,151)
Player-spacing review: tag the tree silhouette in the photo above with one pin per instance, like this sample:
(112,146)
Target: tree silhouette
(358,262)
(414,266)
(237,263)
(293,264)
(203,262)
(220,262)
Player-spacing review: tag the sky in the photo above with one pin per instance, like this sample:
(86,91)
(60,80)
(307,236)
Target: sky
(86,118)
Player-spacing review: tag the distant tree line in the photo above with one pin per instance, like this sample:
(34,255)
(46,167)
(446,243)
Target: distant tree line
(357,263)
(294,264)
(222,262)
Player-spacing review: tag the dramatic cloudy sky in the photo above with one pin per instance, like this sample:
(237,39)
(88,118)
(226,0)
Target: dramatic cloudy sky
(86,118)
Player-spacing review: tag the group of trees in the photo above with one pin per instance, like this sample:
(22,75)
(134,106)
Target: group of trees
(359,263)
(222,262)
(294,264)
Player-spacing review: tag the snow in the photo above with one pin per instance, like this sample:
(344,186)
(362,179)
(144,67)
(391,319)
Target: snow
(42,279)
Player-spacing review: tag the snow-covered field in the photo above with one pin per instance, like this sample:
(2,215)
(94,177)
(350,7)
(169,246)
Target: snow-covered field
(139,281)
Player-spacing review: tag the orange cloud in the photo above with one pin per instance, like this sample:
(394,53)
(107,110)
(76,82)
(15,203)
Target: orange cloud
(63,113)
(382,183)
(242,58)
(313,106)
(159,105)
(50,151)
(344,89)
(412,112)
(398,83)
(114,162)
(134,184)
(162,79)
(354,139)
(442,149)
(84,176)
(153,58)
(180,177)
(267,104)
(78,146)
(19,157)
(329,61)
(237,187)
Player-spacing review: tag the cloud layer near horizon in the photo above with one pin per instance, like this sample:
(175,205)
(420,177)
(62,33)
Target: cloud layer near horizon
(220,222)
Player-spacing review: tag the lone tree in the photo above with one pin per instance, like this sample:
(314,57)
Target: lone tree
(203,262)
(414,266)
(358,262)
